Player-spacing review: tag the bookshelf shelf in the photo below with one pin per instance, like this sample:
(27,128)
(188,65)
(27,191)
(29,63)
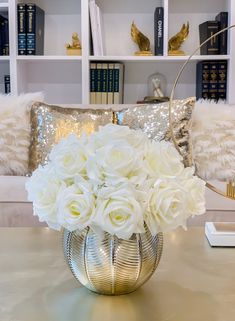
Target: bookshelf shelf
(4,5)
(49,58)
(4,58)
(69,75)
(157,58)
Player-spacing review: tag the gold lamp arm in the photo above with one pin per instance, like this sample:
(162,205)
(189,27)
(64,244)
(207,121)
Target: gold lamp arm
(230,192)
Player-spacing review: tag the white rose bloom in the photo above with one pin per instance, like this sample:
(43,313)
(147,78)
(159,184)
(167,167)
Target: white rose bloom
(107,134)
(119,134)
(69,157)
(43,187)
(195,204)
(162,160)
(76,205)
(116,164)
(166,206)
(119,213)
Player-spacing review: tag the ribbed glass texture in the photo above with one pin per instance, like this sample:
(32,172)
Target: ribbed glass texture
(110,265)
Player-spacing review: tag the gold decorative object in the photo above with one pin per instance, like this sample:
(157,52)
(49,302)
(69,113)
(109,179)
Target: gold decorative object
(50,123)
(75,48)
(230,190)
(109,265)
(176,41)
(141,40)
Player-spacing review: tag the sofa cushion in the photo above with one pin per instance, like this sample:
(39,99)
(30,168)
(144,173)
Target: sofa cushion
(15,132)
(213,137)
(153,119)
(50,123)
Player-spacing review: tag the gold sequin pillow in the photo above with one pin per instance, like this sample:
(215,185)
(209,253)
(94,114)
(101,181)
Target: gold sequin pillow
(153,119)
(50,123)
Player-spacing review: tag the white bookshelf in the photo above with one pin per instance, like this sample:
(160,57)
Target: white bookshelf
(65,79)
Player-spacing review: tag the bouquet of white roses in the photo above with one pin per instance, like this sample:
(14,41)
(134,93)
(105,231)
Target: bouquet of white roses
(115,180)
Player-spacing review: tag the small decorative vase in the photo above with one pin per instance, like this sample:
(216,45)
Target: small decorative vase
(110,265)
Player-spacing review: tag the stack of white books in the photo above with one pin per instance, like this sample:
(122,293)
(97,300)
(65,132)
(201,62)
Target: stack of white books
(220,233)
(96,29)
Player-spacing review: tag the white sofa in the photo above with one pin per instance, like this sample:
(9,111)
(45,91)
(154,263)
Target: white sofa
(16,210)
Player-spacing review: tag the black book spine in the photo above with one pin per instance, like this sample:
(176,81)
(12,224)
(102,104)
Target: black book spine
(1,35)
(213,82)
(35,30)
(7,84)
(21,15)
(222,18)
(222,79)
(6,37)
(202,80)
(206,30)
(158,31)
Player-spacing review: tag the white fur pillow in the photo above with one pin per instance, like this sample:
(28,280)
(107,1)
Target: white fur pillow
(213,139)
(15,132)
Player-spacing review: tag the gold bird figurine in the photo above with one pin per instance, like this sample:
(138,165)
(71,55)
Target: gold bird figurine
(141,40)
(176,41)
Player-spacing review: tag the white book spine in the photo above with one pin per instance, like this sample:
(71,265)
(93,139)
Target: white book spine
(100,31)
(94,30)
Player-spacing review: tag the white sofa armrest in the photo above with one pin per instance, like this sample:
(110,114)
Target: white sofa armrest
(12,189)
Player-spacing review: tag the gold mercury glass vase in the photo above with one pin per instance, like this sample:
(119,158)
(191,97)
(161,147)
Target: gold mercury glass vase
(111,265)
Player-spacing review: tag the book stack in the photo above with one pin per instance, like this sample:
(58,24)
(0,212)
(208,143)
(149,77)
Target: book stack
(218,44)
(4,36)
(106,83)
(97,33)
(7,84)
(30,29)
(211,80)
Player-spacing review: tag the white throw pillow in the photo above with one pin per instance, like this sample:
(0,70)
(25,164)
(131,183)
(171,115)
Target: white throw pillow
(15,132)
(213,139)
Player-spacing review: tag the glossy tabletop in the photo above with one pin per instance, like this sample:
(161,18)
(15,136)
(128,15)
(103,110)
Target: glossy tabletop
(193,282)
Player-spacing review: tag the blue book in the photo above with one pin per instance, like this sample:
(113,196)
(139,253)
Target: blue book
(35,29)
(213,81)
(222,18)
(4,36)
(21,16)
(202,80)
(206,30)
(7,84)
(222,79)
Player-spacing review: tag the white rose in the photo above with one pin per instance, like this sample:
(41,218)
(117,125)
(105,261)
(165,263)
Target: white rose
(109,133)
(119,134)
(69,157)
(116,164)
(163,160)
(43,187)
(166,206)
(119,213)
(195,204)
(76,205)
